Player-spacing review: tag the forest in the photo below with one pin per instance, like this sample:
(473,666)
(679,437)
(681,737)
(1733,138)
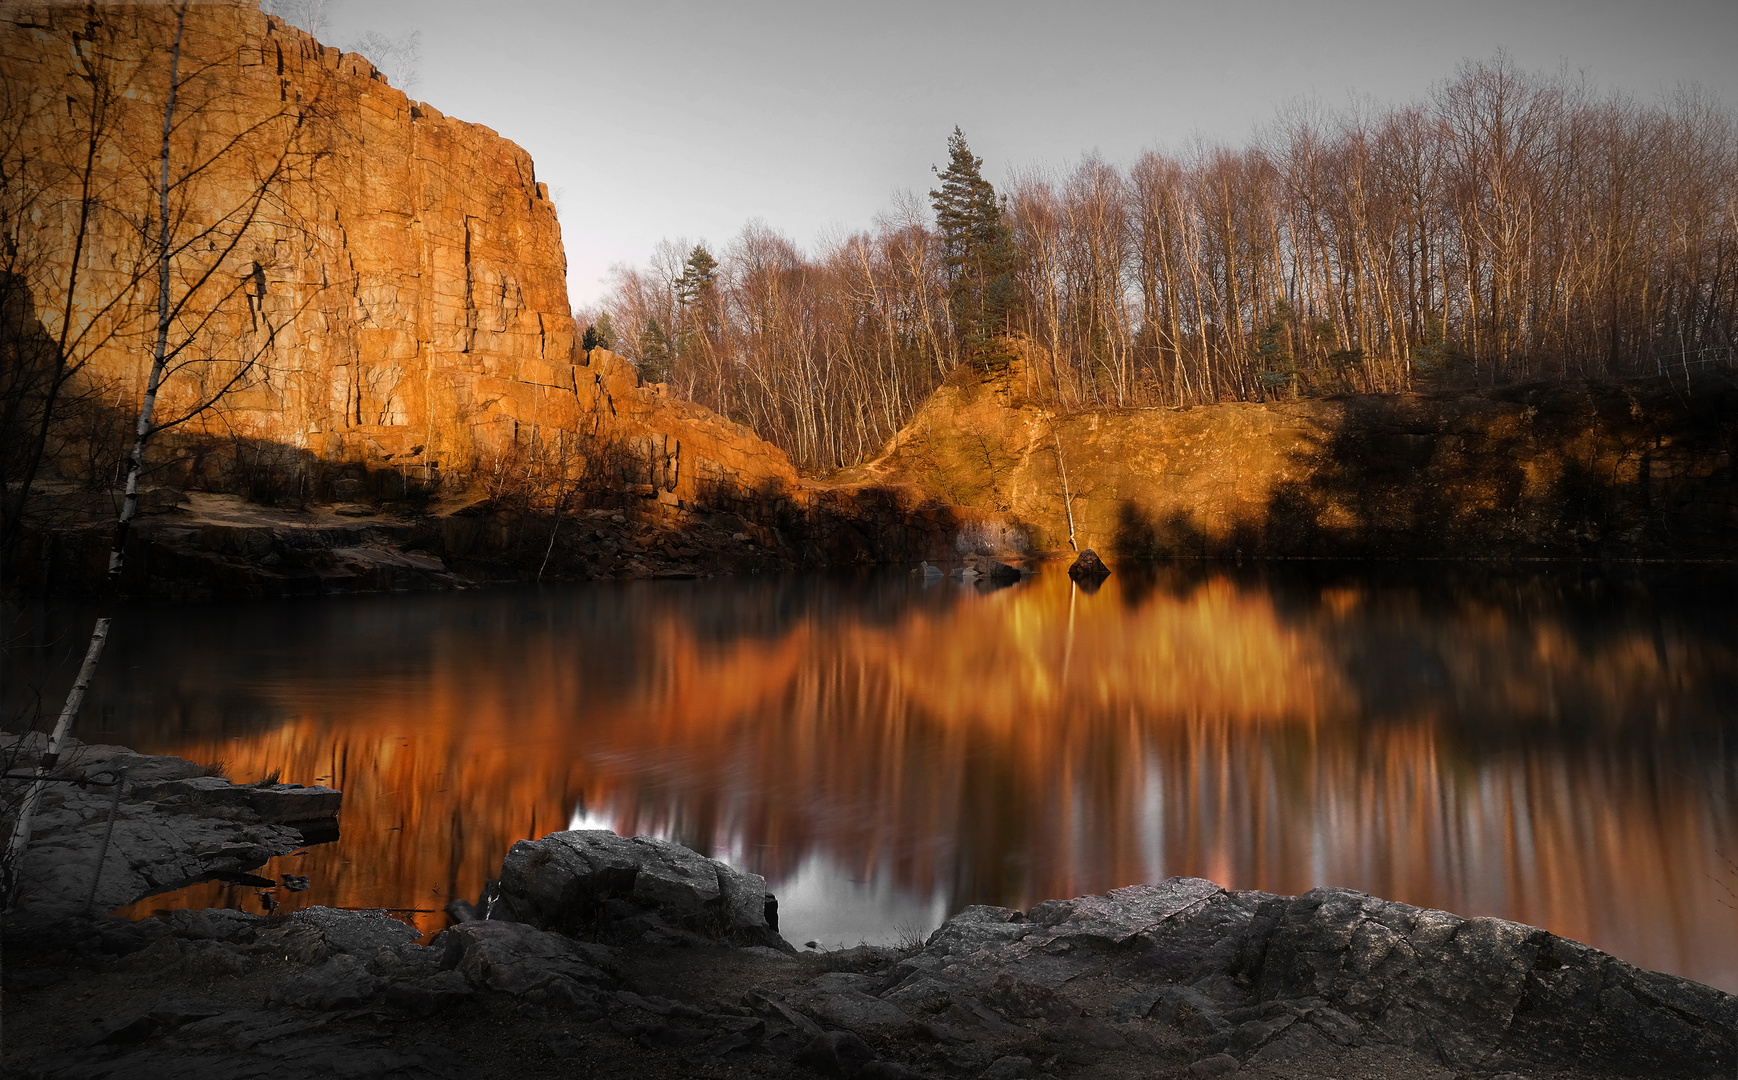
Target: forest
(1508,226)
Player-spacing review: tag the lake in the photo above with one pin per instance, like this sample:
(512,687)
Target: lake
(1550,744)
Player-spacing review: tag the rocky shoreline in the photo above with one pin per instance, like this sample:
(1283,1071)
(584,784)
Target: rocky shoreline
(202,545)
(598,955)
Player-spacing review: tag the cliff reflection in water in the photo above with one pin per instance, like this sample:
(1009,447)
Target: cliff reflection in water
(1548,748)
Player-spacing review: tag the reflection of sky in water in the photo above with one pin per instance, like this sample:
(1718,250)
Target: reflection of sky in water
(820,901)
(1549,746)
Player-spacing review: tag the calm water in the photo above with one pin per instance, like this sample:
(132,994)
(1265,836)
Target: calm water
(1556,746)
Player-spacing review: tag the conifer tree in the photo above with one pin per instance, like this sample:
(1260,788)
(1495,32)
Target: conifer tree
(654,361)
(698,276)
(599,335)
(977,245)
(697,293)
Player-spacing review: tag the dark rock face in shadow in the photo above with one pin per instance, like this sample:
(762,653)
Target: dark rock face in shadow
(1140,980)
(1267,978)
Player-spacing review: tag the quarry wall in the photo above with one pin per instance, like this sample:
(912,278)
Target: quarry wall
(396,298)
(1573,470)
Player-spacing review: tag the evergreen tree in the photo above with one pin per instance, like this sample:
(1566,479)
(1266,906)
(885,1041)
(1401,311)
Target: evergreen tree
(654,361)
(977,245)
(599,335)
(698,276)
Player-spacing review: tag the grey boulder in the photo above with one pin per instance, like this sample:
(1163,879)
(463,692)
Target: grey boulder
(541,966)
(593,882)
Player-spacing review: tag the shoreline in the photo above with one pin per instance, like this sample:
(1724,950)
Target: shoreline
(607,954)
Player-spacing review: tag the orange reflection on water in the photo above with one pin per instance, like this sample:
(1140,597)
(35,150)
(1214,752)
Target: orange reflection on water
(1507,751)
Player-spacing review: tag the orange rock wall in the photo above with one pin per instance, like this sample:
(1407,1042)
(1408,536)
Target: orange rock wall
(403,287)
(1644,467)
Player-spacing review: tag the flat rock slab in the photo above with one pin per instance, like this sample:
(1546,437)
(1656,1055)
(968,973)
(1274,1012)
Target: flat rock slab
(174,826)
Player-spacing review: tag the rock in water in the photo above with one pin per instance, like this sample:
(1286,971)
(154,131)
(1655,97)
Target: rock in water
(995,569)
(1089,565)
(644,889)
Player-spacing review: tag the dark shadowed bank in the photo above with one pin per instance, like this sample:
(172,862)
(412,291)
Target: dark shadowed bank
(598,955)
(1588,471)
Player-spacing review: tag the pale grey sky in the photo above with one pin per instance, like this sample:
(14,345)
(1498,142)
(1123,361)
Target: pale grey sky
(680,118)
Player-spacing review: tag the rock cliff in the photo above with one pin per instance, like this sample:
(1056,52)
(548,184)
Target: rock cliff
(387,284)
(1634,469)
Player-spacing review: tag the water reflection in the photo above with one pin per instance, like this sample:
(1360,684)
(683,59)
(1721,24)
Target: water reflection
(1550,747)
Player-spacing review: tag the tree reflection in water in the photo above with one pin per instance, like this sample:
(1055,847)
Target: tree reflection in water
(1547,746)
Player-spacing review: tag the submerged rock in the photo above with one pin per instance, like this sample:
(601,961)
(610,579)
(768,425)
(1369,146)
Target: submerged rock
(994,569)
(594,882)
(1088,565)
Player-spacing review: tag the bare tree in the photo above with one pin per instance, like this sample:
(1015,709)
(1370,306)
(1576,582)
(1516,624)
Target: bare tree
(1512,225)
(309,15)
(209,246)
(400,58)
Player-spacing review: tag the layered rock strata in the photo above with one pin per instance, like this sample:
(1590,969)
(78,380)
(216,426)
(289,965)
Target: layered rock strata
(1641,468)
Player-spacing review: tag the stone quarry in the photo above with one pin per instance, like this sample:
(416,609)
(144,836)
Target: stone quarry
(413,358)
(419,412)
(406,296)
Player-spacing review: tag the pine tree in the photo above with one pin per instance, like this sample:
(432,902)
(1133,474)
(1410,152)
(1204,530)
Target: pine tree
(698,276)
(599,335)
(654,361)
(978,248)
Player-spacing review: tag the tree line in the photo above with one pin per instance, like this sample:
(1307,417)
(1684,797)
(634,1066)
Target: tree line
(1509,226)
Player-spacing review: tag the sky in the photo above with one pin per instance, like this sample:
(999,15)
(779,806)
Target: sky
(655,119)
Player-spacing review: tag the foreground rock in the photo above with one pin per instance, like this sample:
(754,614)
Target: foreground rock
(593,882)
(174,825)
(1267,978)
(1177,979)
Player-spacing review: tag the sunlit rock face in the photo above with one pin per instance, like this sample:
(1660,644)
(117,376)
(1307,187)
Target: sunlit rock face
(1560,470)
(396,295)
